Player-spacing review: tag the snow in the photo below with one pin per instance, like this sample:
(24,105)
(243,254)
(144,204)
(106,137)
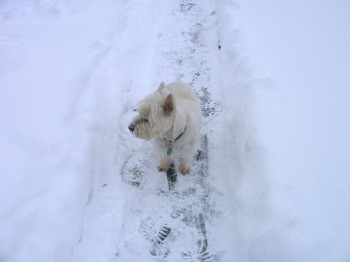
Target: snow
(277,125)
(301,49)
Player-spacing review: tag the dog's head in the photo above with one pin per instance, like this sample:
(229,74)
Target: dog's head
(156,114)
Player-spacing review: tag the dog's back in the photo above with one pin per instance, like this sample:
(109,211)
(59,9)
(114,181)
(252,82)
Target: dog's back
(183,91)
(189,104)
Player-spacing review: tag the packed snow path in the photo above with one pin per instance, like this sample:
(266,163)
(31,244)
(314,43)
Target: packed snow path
(154,223)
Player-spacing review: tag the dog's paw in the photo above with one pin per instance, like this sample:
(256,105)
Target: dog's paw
(164,164)
(162,169)
(184,169)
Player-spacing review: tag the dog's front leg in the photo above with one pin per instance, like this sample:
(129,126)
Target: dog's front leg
(184,166)
(164,164)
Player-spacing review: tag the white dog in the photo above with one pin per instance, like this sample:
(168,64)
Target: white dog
(173,117)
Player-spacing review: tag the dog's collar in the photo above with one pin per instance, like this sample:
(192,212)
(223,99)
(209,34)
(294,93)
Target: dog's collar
(179,136)
(170,149)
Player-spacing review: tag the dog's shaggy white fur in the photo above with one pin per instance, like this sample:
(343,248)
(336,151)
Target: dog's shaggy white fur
(172,117)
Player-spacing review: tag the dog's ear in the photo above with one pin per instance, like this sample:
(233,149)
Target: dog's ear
(161,86)
(168,105)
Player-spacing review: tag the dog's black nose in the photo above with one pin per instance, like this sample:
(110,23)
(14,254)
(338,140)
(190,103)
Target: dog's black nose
(132,127)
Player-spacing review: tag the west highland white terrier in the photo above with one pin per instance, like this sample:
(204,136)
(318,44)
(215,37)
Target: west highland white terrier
(172,117)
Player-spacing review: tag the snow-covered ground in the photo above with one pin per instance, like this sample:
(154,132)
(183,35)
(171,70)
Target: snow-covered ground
(271,180)
(300,53)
